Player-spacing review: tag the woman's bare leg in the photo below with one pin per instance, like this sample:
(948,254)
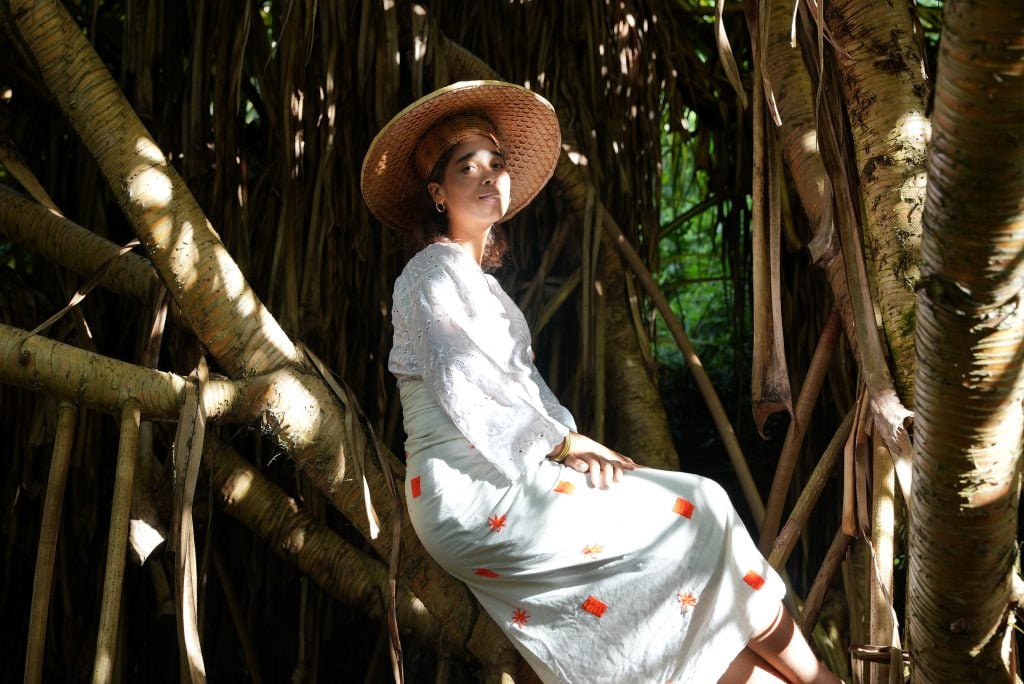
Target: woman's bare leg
(783,646)
(750,668)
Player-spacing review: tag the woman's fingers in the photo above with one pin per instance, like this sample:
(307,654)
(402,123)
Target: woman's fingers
(627,462)
(601,471)
(612,472)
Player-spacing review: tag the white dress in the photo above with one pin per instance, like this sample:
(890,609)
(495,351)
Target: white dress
(654,579)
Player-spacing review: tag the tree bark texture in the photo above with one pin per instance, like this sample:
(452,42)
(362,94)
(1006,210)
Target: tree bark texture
(885,88)
(342,570)
(970,341)
(179,240)
(220,307)
(792,89)
(58,239)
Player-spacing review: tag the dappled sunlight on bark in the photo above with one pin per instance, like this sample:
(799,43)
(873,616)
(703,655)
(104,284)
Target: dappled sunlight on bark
(970,372)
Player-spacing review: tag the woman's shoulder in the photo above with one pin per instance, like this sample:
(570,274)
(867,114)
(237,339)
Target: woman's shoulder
(444,253)
(436,259)
(439,261)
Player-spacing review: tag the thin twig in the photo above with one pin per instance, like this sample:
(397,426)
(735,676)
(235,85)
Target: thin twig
(117,542)
(823,580)
(188,449)
(786,540)
(798,427)
(42,585)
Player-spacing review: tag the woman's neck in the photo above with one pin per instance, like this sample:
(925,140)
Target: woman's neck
(473,243)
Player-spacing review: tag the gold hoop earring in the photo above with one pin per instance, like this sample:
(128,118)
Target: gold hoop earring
(439,206)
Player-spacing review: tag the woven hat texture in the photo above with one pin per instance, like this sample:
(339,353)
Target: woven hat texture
(528,135)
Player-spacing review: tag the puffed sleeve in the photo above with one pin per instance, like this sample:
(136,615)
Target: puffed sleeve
(476,370)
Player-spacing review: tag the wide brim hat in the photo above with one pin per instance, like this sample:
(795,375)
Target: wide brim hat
(526,127)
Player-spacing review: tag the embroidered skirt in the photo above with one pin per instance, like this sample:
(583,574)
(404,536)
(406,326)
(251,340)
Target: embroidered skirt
(654,579)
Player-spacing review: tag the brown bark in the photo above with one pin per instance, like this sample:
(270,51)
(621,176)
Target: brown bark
(791,88)
(59,240)
(179,240)
(885,88)
(888,413)
(221,308)
(769,381)
(970,337)
(292,533)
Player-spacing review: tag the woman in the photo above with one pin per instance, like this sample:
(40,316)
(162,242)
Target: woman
(598,570)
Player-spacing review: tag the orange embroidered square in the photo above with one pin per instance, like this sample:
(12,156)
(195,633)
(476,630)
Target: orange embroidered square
(595,606)
(484,572)
(414,484)
(683,507)
(754,580)
(564,487)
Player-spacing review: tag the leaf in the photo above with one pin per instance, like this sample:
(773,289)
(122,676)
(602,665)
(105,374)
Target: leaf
(188,449)
(725,53)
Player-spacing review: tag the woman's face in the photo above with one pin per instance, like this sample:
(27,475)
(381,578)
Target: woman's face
(475,188)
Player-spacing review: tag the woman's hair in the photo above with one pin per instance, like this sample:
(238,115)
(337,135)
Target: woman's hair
(434,227)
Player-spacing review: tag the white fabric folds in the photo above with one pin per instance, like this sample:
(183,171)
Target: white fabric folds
(457,330)
(654,579)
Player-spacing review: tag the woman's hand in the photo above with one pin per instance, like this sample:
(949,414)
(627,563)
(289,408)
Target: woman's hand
(604,465)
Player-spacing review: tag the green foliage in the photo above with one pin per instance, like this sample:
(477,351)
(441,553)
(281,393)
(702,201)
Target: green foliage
(695,272)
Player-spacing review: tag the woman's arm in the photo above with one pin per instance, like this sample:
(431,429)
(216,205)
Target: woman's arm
(469,359)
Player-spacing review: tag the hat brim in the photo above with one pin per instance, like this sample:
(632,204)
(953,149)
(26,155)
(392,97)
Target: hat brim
(527,130)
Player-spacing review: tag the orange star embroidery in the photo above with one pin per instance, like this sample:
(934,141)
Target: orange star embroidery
(520,617)
(497,522)
(754,580)
(595,606)
(564,487)
(414,484)
(485,572)
(592,549)
(683,507)
(687,600)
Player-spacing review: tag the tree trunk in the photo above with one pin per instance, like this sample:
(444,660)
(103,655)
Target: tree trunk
(338,567)
(792,89)
(638,422)
(881,64)
(970,336)
(312,423)
(59,240)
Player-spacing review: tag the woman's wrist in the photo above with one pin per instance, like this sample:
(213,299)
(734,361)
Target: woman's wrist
(563,452)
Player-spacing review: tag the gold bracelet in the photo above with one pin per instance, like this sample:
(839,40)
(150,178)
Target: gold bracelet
(563,453)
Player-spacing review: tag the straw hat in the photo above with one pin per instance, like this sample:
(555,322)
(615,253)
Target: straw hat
(528,136)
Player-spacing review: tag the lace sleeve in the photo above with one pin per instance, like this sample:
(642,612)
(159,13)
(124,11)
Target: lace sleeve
(518,326)
(554,407)
(475,369)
